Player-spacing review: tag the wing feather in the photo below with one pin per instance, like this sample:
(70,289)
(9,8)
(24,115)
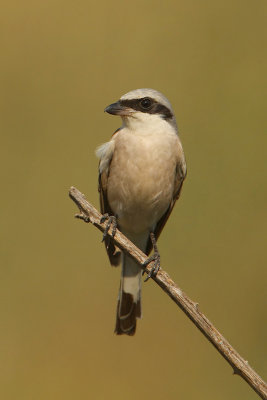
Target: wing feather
(178,184)
(113,251)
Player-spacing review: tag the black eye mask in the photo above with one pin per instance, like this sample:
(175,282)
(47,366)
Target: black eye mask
(148,105)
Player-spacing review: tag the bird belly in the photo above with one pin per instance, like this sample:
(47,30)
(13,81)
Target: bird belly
(141,180)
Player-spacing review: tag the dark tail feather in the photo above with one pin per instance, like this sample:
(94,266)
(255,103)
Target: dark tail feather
(127,312)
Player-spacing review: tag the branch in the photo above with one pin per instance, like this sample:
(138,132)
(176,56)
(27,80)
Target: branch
(241,367)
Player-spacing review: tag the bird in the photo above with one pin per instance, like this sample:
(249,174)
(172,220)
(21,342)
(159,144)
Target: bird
(141,173)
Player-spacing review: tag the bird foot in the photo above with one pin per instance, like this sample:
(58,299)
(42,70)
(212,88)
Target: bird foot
(155,257)
(112,220)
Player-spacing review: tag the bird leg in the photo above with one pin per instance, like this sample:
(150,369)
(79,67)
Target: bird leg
(155,257)
(111,220)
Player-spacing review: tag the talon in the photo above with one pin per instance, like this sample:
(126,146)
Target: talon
(155,257)
(145,263)
(154,270)
(148,260)
(148,277)
(111,220)
(104,218)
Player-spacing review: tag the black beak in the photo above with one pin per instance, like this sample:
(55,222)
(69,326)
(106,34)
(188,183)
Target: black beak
(117,109)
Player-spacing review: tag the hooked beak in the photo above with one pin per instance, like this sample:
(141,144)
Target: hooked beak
(118,109)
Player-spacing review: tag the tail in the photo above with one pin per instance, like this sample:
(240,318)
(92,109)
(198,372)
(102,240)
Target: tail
(129,302)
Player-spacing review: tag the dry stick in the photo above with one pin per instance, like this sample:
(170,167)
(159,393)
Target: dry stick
(241,367)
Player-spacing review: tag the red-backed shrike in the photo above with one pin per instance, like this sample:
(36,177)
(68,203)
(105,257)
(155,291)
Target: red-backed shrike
(141,173)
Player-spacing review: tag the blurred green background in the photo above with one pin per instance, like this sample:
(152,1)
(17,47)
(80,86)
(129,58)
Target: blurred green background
(62,62)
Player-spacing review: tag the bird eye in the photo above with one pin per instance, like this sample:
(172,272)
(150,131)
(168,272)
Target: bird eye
(146,103)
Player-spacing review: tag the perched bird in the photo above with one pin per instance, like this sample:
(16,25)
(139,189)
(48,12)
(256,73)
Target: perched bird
(141,173)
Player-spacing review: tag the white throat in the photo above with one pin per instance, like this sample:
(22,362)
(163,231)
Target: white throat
(147,123)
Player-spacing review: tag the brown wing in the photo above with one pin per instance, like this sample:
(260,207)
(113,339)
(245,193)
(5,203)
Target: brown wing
(179,180)
(112,250)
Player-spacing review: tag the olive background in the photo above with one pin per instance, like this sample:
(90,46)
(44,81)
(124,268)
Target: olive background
(62,63)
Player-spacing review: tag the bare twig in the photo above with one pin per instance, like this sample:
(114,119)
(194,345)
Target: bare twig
(241,367)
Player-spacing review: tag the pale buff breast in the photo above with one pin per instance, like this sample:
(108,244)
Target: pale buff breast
(141,179)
